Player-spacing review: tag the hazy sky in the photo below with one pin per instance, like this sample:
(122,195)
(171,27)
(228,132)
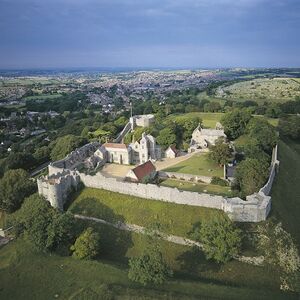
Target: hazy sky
(149,33)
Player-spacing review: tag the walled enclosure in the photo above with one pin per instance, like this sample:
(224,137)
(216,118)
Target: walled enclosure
(256,208)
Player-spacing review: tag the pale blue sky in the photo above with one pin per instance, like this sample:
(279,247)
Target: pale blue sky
(144,33)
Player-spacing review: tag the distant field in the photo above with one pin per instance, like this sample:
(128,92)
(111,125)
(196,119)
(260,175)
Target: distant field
(43,96)
(198,187)
(175,218)
(198,164)
(210,119)
(276,89)
(28,81)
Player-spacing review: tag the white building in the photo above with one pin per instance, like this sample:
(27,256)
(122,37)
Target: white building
(172,152)
(144,150)
(203,138)
(142,120)
(114,153)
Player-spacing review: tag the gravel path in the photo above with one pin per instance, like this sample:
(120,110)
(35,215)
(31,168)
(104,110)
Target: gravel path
(257,260)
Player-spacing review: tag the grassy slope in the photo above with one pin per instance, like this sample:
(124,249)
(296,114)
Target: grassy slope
(286,189)
(198,165)
(26,274)
(175,218)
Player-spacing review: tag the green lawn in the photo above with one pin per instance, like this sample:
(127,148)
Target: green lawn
(198,164)
(174,218)
(286,189)
(210,119)
(198,187)
(26,274)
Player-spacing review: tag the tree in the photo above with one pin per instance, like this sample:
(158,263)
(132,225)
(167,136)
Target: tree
(220,153)
(44,226)
(251,174)
(86,245)
(149,268)
(14,187)
(235,122)
(263,132)
(64,145)
(220,238)
(166,137)
(290,127)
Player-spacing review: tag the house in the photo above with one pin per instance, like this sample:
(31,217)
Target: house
(142,173)
(172,152)
(203,138)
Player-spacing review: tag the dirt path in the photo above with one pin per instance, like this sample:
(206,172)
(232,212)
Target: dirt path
(258,260)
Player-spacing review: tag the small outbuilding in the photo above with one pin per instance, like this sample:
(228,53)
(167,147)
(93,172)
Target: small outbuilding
(142,173)
(172,152)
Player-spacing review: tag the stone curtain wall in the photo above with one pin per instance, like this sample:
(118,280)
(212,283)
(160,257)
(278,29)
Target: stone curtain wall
(123,133)
(152,191)
(256,208)
(266,189)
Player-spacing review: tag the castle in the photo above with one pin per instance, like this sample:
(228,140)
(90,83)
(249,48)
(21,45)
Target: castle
(64,176)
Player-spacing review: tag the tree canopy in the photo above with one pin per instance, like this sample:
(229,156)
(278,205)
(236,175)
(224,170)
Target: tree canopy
(15,185)
(220,153)
(86,245)
(44,226)
(251,174)
(150,267)
(220,238)
(64,145)
(235,122)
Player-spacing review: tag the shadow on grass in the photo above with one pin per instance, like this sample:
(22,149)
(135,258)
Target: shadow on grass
(92,207)
(114,243)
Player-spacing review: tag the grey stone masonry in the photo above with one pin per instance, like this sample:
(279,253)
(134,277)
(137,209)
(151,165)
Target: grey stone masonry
(56,186)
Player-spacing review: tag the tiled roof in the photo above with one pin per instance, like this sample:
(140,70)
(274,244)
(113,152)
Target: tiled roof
(143,170)
(115,145)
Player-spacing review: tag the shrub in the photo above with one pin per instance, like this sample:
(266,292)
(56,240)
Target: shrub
(219,181)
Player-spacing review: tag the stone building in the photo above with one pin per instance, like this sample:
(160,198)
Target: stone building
(203,138)
(114,153)
(145,149)
(172,152)
(142,120)
(142,173)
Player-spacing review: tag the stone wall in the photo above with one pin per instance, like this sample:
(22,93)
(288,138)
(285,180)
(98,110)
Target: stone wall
(256,208)
(186,177)
(123,133)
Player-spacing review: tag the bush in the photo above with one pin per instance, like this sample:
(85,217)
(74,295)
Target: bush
(86,245)
(219,181)
(149,268)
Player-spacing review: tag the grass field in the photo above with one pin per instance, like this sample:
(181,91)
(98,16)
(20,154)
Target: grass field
(198,164)
(286,189)
(43,97)
(26,274)
(276,90)
(198,187)
(174,218)
(210,119)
